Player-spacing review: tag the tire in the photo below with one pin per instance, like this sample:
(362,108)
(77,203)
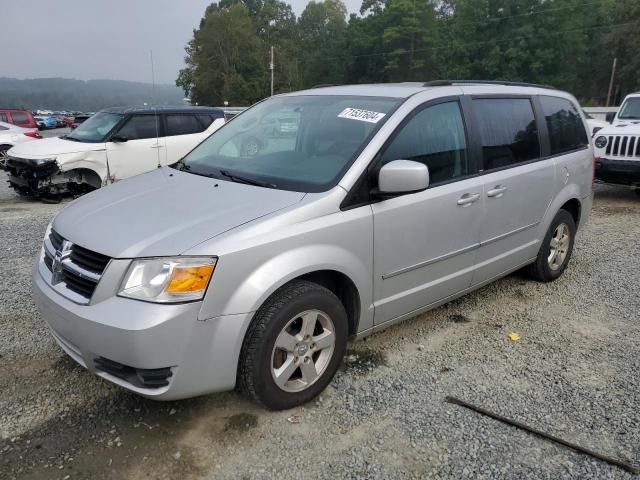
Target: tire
(553,257)
(3,151)
(280,318)
(637,190)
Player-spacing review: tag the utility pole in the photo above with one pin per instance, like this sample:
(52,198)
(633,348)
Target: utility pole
(613,75)
(271,68)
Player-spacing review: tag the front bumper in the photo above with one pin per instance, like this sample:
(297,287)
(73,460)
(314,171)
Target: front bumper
(202,356)
(620,172)
(30,177)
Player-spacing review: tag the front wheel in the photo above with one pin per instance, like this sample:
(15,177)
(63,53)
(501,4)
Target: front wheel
(555,251)
(293,347)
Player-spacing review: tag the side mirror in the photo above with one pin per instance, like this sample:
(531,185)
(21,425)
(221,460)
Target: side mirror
(119,139)
(403,176)
(610,116)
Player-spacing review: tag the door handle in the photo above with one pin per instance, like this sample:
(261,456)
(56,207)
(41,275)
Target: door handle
(468,198)
(157,146)
(497,191)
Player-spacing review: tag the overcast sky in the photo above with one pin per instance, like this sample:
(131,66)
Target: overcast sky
(89,39)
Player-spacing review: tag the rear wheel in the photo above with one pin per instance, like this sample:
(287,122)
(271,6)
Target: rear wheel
(293,347)
(555,251)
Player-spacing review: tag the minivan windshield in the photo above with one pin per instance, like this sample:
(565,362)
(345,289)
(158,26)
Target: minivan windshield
(96,128)
(631,109)
(301,143)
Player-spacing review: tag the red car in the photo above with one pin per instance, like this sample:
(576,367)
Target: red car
(17,116)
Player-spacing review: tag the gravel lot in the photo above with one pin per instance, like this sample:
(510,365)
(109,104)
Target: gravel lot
(573,373)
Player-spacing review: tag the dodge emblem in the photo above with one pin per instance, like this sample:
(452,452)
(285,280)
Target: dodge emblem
(56,266)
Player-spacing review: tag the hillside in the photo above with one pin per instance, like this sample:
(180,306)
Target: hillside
(91,95)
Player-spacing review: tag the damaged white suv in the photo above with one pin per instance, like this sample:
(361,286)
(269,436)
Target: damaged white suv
(113,144)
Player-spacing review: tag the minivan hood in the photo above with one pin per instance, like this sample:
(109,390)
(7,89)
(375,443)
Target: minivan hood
(164,212)
(50,147)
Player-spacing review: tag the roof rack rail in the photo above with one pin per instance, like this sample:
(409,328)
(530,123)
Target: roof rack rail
(444,83)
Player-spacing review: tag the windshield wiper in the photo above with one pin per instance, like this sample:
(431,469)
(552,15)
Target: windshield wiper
(249,181)
(180,165)
(67,137)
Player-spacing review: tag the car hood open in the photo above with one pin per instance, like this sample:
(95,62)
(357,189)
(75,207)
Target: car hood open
(50,147)
(164,212)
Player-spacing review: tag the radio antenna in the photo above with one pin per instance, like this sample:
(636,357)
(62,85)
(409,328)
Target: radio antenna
(155,110)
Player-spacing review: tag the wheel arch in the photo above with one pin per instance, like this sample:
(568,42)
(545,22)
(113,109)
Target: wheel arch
(90,176)
(574,207)
(567,199)
(335,268)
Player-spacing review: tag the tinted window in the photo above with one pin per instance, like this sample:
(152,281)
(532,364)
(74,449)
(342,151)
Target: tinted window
(206,119)
(20,117)
(434,136)
(566,130)
(139,127)
(508,131)
(183,125)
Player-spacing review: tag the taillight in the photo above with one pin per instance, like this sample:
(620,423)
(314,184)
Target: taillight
(593,177)
(33,134)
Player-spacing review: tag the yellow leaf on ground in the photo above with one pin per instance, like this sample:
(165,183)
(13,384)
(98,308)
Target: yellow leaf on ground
(514,336)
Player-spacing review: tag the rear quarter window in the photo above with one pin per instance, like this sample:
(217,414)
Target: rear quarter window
(566,130)
(20,118)
(183,125)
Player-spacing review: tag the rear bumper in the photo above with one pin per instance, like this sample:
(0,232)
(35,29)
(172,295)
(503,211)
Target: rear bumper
(620,172)
(126,341)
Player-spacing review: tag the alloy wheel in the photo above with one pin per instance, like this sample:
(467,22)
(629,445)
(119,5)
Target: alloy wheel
(559,246)
(302,351)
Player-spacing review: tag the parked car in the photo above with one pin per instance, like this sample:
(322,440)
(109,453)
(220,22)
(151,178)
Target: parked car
(45,122)
(252,267)
(11,135)
(617,146)
(594,124)
(17,116)
(114,144)
(78,120)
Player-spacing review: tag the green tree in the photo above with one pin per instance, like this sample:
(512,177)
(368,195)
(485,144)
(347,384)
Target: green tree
(223,61)
(322,31)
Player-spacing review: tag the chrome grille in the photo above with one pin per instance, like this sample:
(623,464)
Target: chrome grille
(623,146)
(77,268)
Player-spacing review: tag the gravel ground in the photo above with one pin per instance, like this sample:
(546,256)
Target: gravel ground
(573,373)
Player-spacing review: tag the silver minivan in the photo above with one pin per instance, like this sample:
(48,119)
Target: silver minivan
(309,219)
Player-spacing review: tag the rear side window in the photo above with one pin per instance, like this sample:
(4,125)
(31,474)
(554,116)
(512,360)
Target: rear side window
(206,119)
(20,118)
(566,130)
(139,127)
(435,136)
(508,131)
(183,125)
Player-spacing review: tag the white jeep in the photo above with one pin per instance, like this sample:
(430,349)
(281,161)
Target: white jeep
(617,146)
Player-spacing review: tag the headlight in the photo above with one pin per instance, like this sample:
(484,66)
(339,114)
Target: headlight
(168,280)
(601,141)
